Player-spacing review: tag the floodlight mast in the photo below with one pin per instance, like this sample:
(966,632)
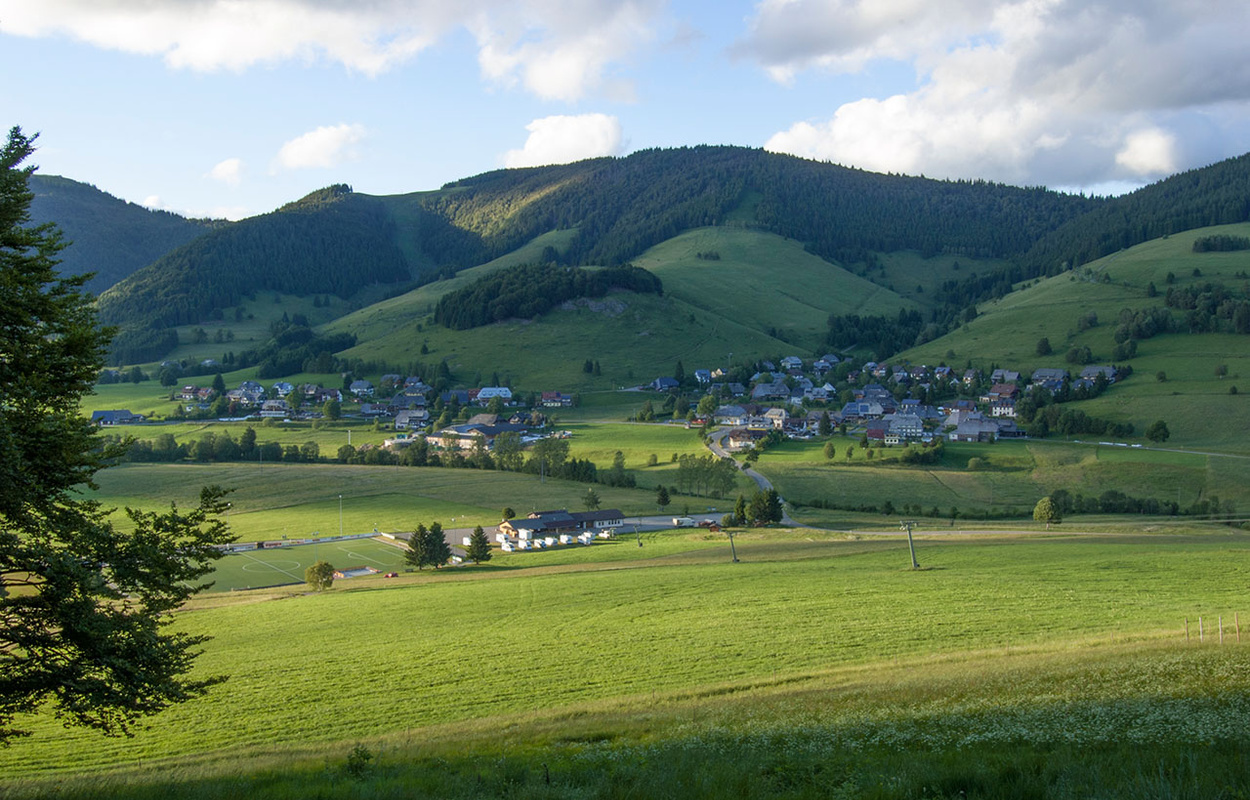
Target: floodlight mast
(907,525)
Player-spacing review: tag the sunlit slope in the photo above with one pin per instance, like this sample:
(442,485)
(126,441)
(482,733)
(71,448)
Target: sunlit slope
(1007,331)
(381,319)
(635,338)
(765,282)
(1175,375)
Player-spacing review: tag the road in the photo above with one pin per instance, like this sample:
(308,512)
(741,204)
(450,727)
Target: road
(716,443)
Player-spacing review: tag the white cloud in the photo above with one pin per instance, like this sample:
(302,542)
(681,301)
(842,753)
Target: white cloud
(229,172)
(1149,152)
(153,201)
(563,139)
(558,49)
(327,146)
(569,57)
(1015,90)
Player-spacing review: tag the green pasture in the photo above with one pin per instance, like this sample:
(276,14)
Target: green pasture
(382,318)
(642,342)
(1007,331)
(798,634)
(301,500)
(917,278)
(636,441)
(1010,478)
(764,281)
(328,436)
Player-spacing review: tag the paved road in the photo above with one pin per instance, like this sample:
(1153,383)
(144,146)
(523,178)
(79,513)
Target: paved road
(716,443)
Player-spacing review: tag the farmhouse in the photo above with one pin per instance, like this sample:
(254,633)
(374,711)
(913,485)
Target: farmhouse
(740,438)
(116,417)
(552,523)
(488,393)
(414,418)
(1049,374)
(1092,372)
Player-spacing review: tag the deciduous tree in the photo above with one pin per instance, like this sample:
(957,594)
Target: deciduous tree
(319,576)
(1046,511)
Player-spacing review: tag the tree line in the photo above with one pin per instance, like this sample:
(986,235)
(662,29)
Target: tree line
(529,290)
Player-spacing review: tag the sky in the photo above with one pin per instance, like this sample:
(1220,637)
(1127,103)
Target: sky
(230,108)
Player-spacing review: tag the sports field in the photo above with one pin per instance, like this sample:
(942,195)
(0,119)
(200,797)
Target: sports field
(253,569)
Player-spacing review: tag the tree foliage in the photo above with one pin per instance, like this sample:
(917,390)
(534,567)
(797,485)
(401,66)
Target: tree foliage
(1046,511)
(319,576)
(1158,431)
(530,290)
(479,546)
(84,607)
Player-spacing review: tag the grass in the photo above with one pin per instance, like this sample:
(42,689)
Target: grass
(1013,476)
(300,500)
(1007,332)
(805,649)
(286,565)
(764,281)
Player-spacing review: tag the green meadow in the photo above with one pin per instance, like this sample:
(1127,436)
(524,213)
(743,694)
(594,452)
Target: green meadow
(1050,649)
(1006,331)
(764,281)
(302,500)
(1007,479)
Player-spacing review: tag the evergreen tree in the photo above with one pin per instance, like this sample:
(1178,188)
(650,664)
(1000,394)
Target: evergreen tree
(591,499)
(662,498)
(85,607)
(418,552)
(436,546)
(479,546)
(740,510)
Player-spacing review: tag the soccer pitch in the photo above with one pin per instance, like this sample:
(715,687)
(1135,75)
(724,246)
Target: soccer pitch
(253,569)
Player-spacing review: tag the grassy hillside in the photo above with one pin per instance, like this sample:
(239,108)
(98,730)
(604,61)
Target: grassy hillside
(1193,399)
(807,640)
(1007,330)
(636,338)
(765,282)
(384,318)
(1008,479)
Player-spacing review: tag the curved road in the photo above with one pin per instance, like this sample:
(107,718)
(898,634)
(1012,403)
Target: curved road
(716,443)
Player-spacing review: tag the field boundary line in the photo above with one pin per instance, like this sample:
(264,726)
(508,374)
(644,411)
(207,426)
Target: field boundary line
(267,564)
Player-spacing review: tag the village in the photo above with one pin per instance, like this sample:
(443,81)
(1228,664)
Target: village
(886,404)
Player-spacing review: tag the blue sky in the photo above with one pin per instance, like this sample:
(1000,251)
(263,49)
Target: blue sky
(231,108)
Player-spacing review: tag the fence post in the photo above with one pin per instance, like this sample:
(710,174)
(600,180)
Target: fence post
(1200,637)
(1186,630)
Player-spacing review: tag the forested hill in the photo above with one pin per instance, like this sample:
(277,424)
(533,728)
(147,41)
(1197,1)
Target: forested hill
(622,206)
(1214,195)
(107,236)
(336,241)
(331,242)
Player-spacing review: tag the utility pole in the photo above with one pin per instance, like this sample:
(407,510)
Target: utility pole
(907,526)
(732,549)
